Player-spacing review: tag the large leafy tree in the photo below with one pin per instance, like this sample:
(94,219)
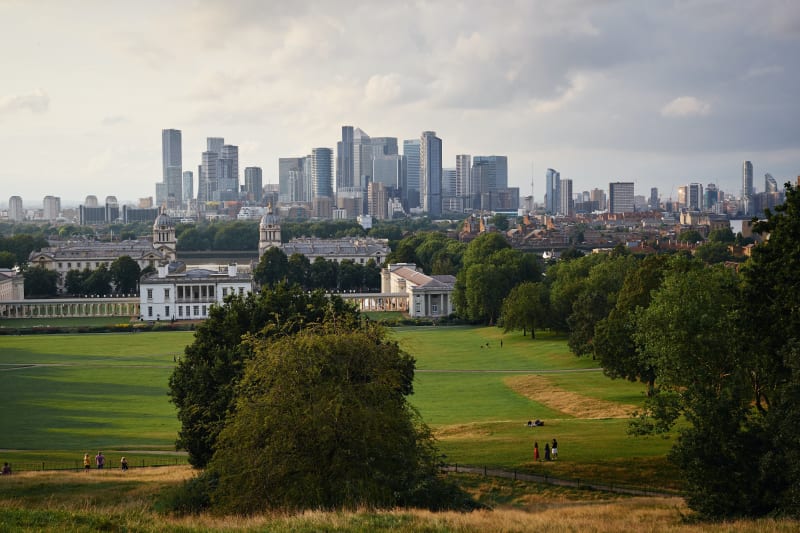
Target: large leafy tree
(7,259)
(525,308)
(691,333)
(613,336)
(98,282)
(322,422)
(125,274)
(771,293)
(40,282)
(595,299)
(202,384)
(490,270)
(272,268)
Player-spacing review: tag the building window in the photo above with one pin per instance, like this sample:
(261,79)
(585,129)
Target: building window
(79,265)
(60,265)
(149,294)
(96,264)
(224,291)
(435,309)
(204,310)
(196,310)
(241,290)
(417,308)
(150,310)
(180,311)
(69,265)
(166,312)
(166,294)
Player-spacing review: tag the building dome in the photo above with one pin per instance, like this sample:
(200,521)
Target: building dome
(163,220)
(269,219)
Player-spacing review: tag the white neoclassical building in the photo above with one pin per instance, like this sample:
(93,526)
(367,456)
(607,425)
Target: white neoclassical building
(428,296)
(174,293)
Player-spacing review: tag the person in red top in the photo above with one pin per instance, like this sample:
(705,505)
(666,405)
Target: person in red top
(536,451)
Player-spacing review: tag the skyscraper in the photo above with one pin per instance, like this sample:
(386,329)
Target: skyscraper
(654,204)
(187,187)
(430,173)
(322,172)
(620,197)
(566,207)
(411,151)
(15,210)
(463,175)
(695,197)
(344,159)
(253,184)
(362,158)
(228,173)
(770,184)
(51,208)
(448,182)
(489,175)
(747,187)
(172,167)
(551,195)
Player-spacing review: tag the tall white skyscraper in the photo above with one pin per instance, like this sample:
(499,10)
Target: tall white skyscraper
(463,175)
(448,182)
(51,208)
(15,209)
(566,206)
(430,173)
(172,168)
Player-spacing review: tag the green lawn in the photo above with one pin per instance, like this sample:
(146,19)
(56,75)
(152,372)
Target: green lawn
(13,323)
(66,394)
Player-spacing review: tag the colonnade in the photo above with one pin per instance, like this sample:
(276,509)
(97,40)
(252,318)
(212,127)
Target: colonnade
(378,301)
(70,308)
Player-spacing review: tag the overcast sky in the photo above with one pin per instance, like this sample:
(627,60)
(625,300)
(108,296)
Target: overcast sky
(656,92)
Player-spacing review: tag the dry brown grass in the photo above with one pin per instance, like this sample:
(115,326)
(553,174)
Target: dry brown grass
(540,389)
(123,500)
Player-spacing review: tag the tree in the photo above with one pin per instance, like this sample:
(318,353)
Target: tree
(7,259)
(595,299)
(98,282)
(724,235)
(690,236)
(613,336)
(500,222)
(713,253)
(322,422)
(299,270)
(202,384)
(40,282)
(691,334)
(74,281)
(125,274)
(525,308)
(324,274)
(272,268)
(771,292)
(565,280)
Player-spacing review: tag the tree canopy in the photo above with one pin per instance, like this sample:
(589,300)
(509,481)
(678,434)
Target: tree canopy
(202,384)
(322,422)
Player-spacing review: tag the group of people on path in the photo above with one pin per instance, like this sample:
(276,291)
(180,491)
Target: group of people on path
(550,453)
(100,461)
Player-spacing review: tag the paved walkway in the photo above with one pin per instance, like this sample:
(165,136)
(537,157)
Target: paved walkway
(494,472)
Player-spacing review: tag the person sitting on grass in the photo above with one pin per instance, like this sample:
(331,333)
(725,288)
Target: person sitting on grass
(6,469)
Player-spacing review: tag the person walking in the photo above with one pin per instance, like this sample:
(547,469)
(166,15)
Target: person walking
(123,463)
(536,451)
(87,463)
(546,451)
(100,459)
(555,449)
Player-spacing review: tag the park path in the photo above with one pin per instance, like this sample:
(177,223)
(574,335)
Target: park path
(578,484)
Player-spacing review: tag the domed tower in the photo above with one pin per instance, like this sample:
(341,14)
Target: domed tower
(164,239)
(269,232)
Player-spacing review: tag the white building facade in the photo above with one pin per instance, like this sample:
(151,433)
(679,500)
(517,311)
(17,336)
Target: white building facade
(428,296)
(173,293)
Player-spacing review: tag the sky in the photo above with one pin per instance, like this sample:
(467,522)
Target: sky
(661,93)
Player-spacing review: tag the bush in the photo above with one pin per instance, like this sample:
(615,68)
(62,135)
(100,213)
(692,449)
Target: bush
(190,497)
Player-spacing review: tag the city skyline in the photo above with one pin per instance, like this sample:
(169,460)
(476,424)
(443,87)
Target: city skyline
(658,94)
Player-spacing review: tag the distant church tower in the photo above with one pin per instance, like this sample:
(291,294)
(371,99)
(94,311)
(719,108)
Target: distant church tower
(269,232)
(164,239)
